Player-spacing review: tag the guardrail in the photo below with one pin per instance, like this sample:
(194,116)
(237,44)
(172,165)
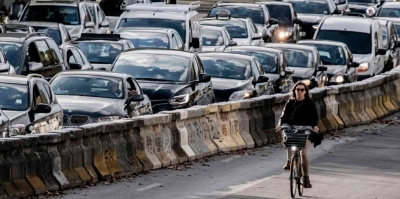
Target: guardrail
(33,164)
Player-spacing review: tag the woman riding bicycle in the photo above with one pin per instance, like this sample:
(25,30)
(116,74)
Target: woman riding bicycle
(300,110)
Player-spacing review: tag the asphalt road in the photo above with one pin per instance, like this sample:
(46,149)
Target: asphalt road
(362,162)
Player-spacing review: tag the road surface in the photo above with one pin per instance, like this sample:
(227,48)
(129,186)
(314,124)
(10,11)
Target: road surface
(362,162)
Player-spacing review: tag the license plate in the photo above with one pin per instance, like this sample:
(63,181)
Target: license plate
(303,34)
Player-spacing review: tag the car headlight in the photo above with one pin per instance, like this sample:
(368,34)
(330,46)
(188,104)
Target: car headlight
(106,118)
(363,67)
(338,78)
(178,100)
(240,95)
(285,33)
(307,82)
(370,11)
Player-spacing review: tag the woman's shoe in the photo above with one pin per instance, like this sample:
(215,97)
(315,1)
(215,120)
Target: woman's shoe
(287,165)
(306,182)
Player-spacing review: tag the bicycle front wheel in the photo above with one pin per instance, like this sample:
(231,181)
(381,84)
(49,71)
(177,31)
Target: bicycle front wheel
(293,176)
(300,179)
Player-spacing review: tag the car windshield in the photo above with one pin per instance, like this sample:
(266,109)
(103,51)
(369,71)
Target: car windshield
(153,66)
(13,53)
(90,86)
(227,68)
(147,39)
(280,12)
(100,52)
(212,37)
(331,55)
(67,15)
(310,7)
(389,12)
(358,42)
(54,33)
(298,58)
(236,28)
(254,13)
(13,97)
(178,25)
(269,61)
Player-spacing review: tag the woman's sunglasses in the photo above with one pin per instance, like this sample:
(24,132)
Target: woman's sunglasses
(300,89)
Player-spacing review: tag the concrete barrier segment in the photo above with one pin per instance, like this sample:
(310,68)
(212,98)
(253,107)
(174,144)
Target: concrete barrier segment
(233,119)
(211,118)
(6,146)
(224,126)
(87,151)
(251,138)
(194,127)
(206,133)
(255,120)
(76,136)
(110,149)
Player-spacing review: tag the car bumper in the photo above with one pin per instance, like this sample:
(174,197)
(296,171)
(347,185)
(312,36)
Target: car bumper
(362,77)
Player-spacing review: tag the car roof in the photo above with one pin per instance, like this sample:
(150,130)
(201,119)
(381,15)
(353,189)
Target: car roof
(256,48)
(143,29)
(348,23)
(218,28)
(13,79)
(226,55)
(324,42)
(18,37)
(290,46)
(94,73)
(40,23)
(275,3)
(393,20)
(148,14)
(391,5)
(159,51)
(238,4)
(53,3)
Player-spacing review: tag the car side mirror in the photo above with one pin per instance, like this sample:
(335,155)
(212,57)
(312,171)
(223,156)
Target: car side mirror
(262,79)
(337,12)
(273,21)
(354,64)
(4,67)
(232,43)
(195,43)
(75,66)
(104,24)
(35,66)
(381,51)
(289,71)
(297,21)
(89,24)
(43,108)
(322,68)
(256,37)
(203,78)
(137,98)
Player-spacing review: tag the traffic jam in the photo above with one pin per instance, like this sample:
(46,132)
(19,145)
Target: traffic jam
(64,64)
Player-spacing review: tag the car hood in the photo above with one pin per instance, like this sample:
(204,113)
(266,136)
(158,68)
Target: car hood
(302,73)
(223,84)
(17,117)
(311,18)
(242,41)
(361,58)
(272,77)
(333,69)
(12,114)
(95,105)
(97,66)
(161,90)
(73,30)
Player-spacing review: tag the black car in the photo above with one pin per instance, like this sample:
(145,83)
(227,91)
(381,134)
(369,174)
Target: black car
(256,12)
(74,58)
(97,96)
(101,50)
(235,77)
(289,24)
(147,37)
(172,79)
(306,62)
(32,53)
(273,62)
(336,56)
(56,31)
(311,12)
(29,101)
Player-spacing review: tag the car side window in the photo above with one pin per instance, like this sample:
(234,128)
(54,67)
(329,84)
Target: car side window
(77,56)
(181,45)
(44,53)
(43,94)
(174,44)
(49,92)
(200,65)
(55,51)
(350,55)
(196,69)
(68,37)
(70,57)
(255,69)
(137,86)
(252,26)
(87,15)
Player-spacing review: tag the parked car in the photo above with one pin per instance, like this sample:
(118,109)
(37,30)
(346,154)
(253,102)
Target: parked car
(172,79)
(97,96)
(216,39)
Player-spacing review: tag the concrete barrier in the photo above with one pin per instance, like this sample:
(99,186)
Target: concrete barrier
(61,159)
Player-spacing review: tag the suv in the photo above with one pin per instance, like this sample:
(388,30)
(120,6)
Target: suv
(74,14)
(34,52)
(183,18)
(29,100)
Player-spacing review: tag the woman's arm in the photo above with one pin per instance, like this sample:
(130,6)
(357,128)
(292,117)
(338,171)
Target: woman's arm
(285,115)
(314,114)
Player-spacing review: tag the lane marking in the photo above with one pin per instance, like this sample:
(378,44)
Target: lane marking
(149,187)
(231,158)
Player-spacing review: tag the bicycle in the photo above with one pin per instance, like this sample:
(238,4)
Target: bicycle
(296,140)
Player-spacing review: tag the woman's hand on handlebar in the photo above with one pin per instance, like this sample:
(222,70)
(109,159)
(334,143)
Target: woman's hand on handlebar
(316,129)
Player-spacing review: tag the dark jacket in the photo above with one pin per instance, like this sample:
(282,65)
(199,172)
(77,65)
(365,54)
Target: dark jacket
(15,8)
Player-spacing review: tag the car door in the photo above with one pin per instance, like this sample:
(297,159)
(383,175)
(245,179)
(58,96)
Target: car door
(51,65)
(320,76)
(87,18)
(143,107)
(393,39)
(173,43)
(102,20)
(181,45)
(351,72)
(132,108)
(261,88)
(207,89)
(66,36)
(198,87)
(287,81)
(379,60)
(58,58)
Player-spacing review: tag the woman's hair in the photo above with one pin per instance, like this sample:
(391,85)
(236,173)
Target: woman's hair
(306,95)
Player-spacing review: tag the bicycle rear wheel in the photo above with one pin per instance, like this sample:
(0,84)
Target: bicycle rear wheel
(300,181)
(293,176)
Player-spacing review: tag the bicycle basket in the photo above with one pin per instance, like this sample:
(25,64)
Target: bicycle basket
(295,139)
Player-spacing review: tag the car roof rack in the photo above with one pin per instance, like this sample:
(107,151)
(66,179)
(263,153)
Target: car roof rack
(30,76)
(164,7)
(93,36)
(29,35)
